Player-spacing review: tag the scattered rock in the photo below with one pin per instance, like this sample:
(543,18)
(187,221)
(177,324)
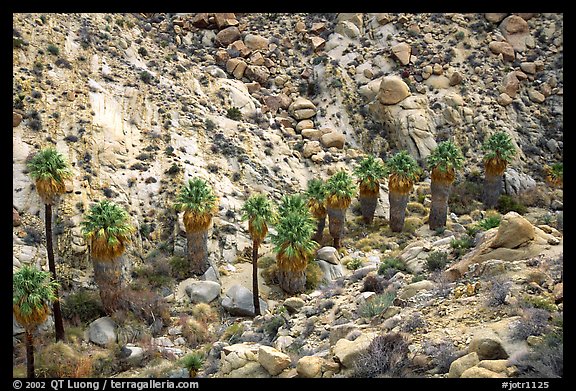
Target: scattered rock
(16,119)
(504,48)
(488,346)
(461,364)
(102,331)
(228,35)
(347,352)
(333,139)
(516,31)
(273,360)
(16,220)
(238,301)
(328,254)
(392,90)
(203,291)
(309,367)
(402,52)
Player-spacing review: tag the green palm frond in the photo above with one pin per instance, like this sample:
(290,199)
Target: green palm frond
(49,169)
(404,166)
(340,189)
(499,146)
(293,203)
(197,197)
(259,210)
(294,236)
(32,290)
(369,173)
(316,194)
(445,157)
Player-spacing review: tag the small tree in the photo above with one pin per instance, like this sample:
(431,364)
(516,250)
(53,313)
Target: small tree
(369,173)
(403,171)
(499,151)
(340,191)
(443,162)
(33,292)
(316,194)
(259,211)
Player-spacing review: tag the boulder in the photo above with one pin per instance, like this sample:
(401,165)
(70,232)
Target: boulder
(392,90)
(347,29)
(517,183)
(238,301)
(102,331)
(514,230)
(203,291)
(16,119)
(402,52)
(516,31)
(273,360)
(309,367)
(347,352)
(333,139)
(505,48)
(225,19)
(328,254)
(293,304)
(236,66)
(256,42)
(495,17)
(228,35)
(461,364)
(487,345)
(478,372)
(330,272)
(311,148)
(257,73)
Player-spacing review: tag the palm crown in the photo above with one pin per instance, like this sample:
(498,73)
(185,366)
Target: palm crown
(340,189)
(293,240)
(403,171)
(499,147)
(33,290)
(259,211)
(316,193)
(293,203)
(444,159)
(49,169)
(369,172)
(108,227)
(198,202)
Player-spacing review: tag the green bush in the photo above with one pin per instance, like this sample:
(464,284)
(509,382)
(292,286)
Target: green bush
(232,333)
(53,49)
(234,113)
(436,260)
(314,275)
(390,266)
(180,267)
(193,361)
(461,246)
(490,222)
(376,305)
(354,264)
(82,306)
(508,203)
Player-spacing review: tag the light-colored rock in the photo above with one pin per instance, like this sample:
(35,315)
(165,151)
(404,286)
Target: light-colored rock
(516,31)
(333,139)
(293,304)
(504,48)
(203,291)
(504,99)
(510,84)
(238,301)
(228,35)
(257,73)
(304,124)
(311,148)
(330,272)
(252,370)
(311,134)
(236,66)
(329,254)
(392,90)
(347,29)
(461,364)
(412,289)
(528,67)
(514,230)
(273,360)
(402,52)
(498,366)
(487,345)
(256,42)
(478,372)
(518,183)
(536,96)
(102,331)
(495,17)
(309,367)
(347,352)
(317,42)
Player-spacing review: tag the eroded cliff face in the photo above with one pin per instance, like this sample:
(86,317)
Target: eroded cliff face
(139,103)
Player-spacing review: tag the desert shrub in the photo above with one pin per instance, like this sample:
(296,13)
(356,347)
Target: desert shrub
(180,267)
(386,356)
(314,276)
(541,302)
(436,260)
(416,207)
(234,113)
(195,331)
(193,361)
(376,304)
(534,321)
(490,222)
(373,283)
(507,203)
(203,312)
(413,322)
(33,236)
(82,306)
(390,266)
(411,224)
(497,293)
(232,333)
(461,246)
(62,361)
(146,305)
(271,326)
(53,49)
(464,197)
(354,263)
(442,353)
(146,77)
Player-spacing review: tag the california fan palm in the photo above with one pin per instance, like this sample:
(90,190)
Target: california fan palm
(33,291)
(108,229)
(49,169)
(403,171)
(199,204)
(499,151)
(369,173)
(293,243)
(340,190)
(443,162)
(259,211)
(316,194)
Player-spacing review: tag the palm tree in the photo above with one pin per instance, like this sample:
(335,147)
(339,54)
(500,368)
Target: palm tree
(199,204)
(443,162)
(107,227)
(369,173)
(499,151)
(293,243)
(259,211)
(403,171)
(49,169)
(33,291)
(340,191)
(555,174)
(316,193)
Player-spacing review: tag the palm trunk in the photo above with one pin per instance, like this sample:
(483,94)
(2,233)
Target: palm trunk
(58,323)
(108,277)
(492,190)
(197,246)
(292,282)
(336,220)
(368,206)
(398,204)
(439,207)
(321,223)
(29,354)
(255,278)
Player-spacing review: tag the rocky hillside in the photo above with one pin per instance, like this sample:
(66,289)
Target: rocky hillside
(139,103)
